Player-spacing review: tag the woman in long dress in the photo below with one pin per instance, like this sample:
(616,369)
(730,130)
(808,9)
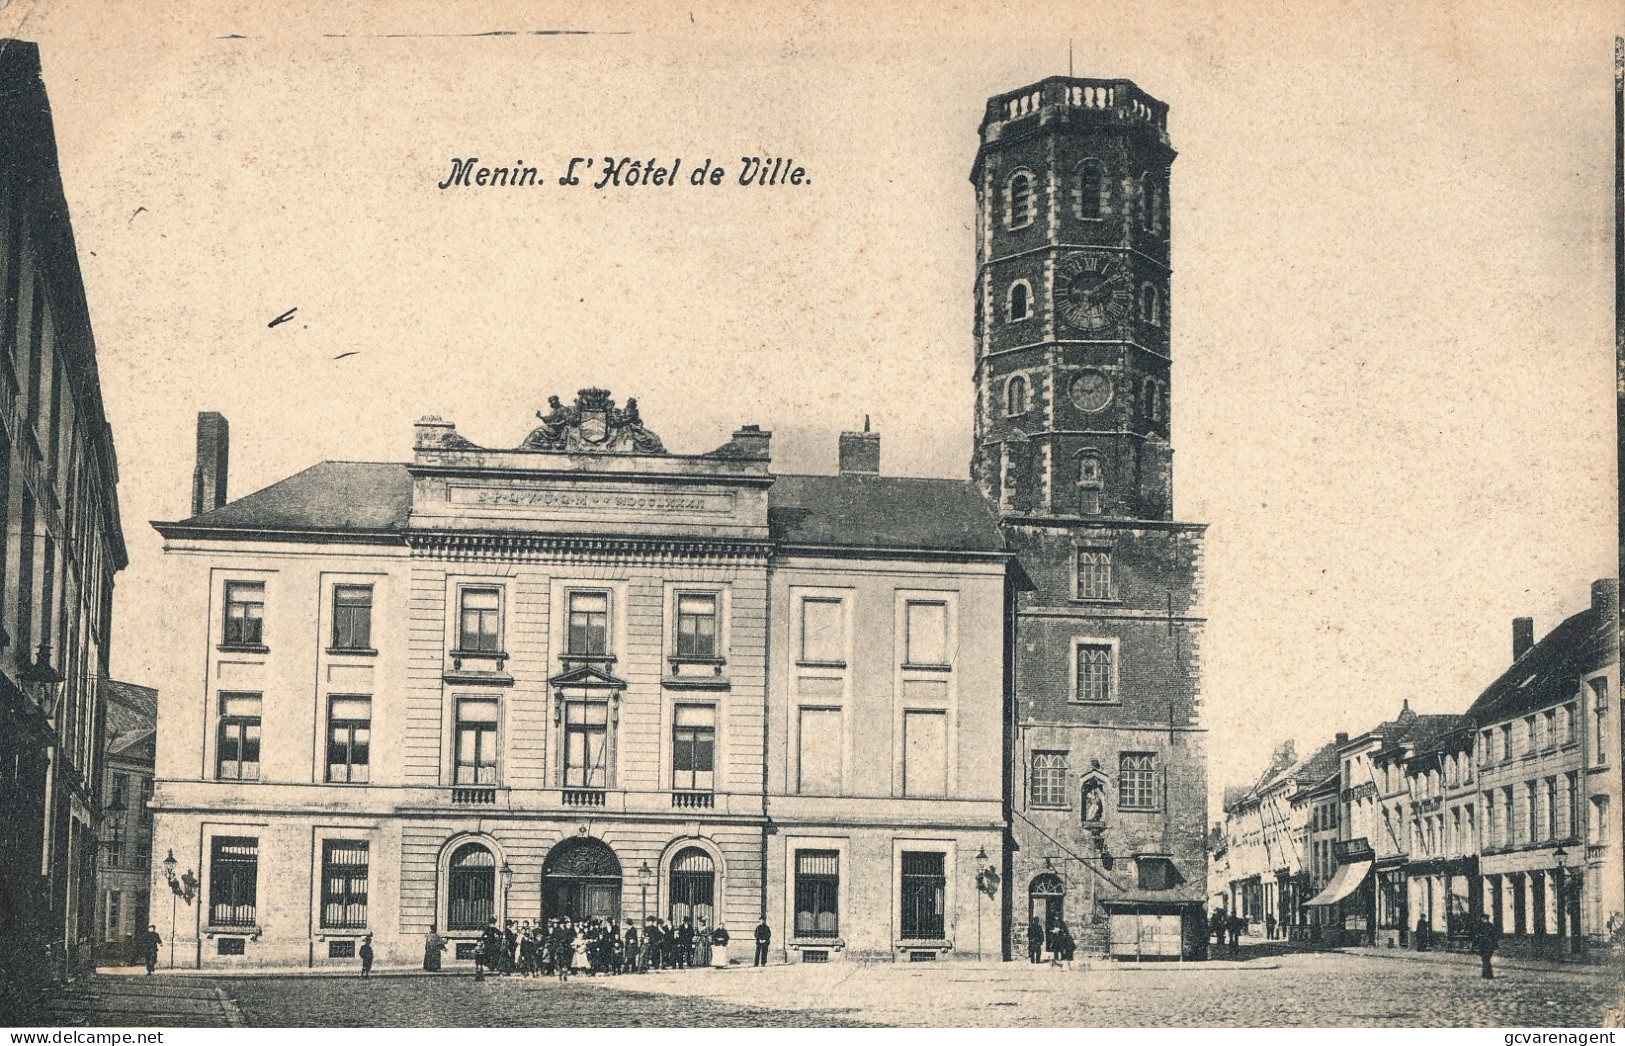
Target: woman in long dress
(580,961)
(702,946)
(719,948)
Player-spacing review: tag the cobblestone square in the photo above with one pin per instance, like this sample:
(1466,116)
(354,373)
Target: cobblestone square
(1292,989)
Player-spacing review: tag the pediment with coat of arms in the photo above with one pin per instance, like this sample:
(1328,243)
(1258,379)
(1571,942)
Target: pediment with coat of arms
(592,424)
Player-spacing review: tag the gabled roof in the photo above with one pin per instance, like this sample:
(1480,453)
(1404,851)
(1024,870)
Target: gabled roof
(1550,671)
(881,512)
(1316,770)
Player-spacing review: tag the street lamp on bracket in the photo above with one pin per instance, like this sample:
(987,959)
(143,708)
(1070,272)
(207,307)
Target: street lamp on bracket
(182,887)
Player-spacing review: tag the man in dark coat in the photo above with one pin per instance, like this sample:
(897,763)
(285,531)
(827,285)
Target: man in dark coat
(1486,938)
(764,935)
(1035,940)
(149,947)
(685,945)
(366,957)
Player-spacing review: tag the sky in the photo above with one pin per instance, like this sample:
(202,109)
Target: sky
(1391,306)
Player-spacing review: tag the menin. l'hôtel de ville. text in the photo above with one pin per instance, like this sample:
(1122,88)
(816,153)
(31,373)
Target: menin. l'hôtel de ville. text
(612,172)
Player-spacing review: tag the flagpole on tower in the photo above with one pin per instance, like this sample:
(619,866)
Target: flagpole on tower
(1069,57)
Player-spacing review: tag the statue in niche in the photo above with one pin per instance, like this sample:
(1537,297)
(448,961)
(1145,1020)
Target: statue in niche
(1094,802)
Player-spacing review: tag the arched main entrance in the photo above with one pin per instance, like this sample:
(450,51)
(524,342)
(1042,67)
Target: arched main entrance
(693,887)
(1046,901)
(581,879)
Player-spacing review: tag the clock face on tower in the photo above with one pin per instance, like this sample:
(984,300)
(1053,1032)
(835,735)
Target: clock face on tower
(1091,390)
(1093,290)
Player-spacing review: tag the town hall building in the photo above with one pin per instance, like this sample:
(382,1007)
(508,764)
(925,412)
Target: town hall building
(585,676)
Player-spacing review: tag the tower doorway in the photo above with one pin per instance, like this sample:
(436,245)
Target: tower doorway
(581,879)
(1046,901)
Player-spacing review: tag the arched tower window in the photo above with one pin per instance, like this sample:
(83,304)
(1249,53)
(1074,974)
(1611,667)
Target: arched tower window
(1020,202)
(1151,203)
(1150,308)
(1091,200)
(1089,483)
(1015,397)
(1019,305)
(1149,399)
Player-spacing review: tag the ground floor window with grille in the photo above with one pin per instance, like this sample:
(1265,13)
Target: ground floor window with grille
(818,884)
(924,895)
(693,887)
(344,884)
(1137,782)
(234,866)
(471,888)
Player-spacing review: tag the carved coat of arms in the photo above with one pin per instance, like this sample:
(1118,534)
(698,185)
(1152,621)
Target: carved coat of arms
(592,423)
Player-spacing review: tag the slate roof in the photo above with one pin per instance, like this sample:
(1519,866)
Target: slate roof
(888,512)
(132,713)
(1550,671)
(844,511)
(332,496)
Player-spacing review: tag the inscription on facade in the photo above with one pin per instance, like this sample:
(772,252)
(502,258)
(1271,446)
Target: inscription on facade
(594,500)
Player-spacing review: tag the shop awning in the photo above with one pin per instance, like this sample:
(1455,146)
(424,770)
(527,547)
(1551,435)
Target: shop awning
(1345,881)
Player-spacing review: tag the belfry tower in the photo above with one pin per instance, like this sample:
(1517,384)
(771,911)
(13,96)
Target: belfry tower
(1072,371)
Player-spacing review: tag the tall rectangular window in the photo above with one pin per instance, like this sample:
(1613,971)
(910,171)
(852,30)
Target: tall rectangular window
(349,738)
(1094,573)
(823,631)
(1574,804)
(480,614)
(924,890)
(476,739)
(926,626)
(237,755)
(1506,742)
(1551,727)
(819,763)
(120,799)
(925,753)
(1599,722)
(344,884)
(234,865)
(818,888)
(245,613)
(352,617)
(696,625)
(1551,808)
(1048,784)
(589,624)
(1094,672)
(694,744)
(1530,747)
(1532,812)
(586,744)
(1569,716)
(1137,782)
(1597,831)
(115,926)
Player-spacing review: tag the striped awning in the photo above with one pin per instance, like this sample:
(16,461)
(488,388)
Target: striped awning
(1345,881)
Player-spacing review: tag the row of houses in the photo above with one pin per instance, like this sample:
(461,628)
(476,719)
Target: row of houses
(1405,834)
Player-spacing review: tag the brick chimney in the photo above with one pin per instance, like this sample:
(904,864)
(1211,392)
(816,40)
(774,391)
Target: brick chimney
(860,452)
(1605,595)
(1523,636)
(1342,737)
(213,447)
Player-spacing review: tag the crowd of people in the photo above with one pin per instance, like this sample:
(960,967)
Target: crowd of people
(562,946)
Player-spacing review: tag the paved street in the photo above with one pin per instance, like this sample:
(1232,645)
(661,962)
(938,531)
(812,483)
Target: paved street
(1318,989)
